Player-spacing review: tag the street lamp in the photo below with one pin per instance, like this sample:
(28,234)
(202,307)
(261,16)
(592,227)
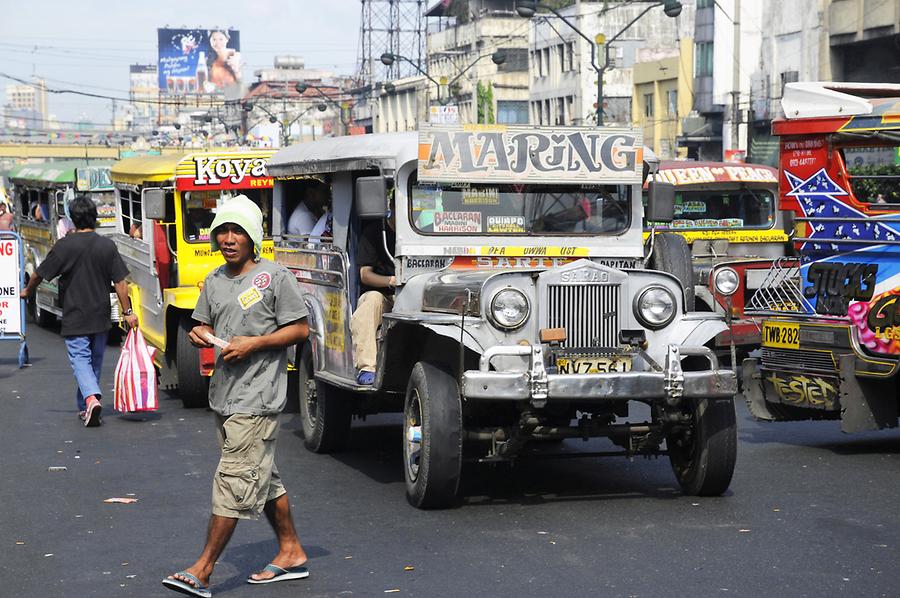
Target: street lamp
(284,124)
(498,57)
(527,9)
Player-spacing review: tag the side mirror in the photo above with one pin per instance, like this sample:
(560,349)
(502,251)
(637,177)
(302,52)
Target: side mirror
(660,202)
(371,197)
(787,220)
(153,203)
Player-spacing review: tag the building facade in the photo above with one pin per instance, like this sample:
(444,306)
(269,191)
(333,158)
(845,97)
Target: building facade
(563,77)
(662,97)
(461,43)
(727,43)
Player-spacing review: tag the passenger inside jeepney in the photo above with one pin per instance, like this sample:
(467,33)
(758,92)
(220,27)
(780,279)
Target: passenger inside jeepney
(374,256)
(311,216)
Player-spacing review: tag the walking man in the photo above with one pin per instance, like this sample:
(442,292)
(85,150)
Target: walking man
(257,307)
(86,263)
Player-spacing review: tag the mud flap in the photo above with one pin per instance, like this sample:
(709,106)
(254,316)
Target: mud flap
(753,391)
(865,404)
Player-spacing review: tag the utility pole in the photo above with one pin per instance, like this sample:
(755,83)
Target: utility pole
(736,81)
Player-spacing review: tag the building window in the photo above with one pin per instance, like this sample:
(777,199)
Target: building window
(704,66)
(672,102)
(705,3)
(788,77)
(512,113)
(545,57)
(516,60)
(570,56)
(648,105)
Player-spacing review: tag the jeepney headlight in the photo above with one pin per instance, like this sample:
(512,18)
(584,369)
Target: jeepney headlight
(726,281)
(509,308)
(654,307)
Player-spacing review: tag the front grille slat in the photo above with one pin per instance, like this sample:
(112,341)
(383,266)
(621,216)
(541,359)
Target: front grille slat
(580,309)
(797,359)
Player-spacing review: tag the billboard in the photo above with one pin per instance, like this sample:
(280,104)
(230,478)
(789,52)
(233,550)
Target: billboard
(199,61)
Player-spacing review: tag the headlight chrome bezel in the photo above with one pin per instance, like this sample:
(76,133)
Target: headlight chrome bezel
(645,321)
(726,271)
(491,309)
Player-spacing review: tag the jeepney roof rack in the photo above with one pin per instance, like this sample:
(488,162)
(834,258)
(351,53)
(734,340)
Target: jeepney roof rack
(355,152)
(822,99)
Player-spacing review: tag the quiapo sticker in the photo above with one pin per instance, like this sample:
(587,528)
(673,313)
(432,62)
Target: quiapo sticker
(249,298)
(506,224)
(262,281)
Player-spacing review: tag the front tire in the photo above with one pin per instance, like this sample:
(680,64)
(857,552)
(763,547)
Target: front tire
(325,411)
(704,456)
(42,317)
(192,387)
(671,254)
(432,437)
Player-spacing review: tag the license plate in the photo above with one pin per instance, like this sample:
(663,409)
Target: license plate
(593,365)
(782,335)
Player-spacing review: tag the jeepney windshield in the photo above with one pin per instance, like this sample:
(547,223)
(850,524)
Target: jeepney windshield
(199,208)
(470,209)
(723,209)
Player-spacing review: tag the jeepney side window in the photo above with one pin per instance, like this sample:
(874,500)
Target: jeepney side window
(308,207)
(199,210)
(874,174)
(130,210)
(37,207)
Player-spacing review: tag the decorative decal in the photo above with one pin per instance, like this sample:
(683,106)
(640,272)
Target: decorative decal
(249,298)
(805,391)
(262,281)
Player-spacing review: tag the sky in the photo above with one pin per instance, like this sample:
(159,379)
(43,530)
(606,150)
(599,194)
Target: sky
(88,44)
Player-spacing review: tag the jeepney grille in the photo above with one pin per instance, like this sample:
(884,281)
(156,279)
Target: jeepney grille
(797,359)
(589,313)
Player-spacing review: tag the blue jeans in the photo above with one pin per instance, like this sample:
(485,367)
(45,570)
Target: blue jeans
(86,357)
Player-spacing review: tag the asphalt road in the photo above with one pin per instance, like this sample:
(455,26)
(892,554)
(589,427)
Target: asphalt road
(811,512)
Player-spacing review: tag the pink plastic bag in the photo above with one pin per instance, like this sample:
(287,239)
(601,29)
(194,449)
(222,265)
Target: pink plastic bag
(135,388)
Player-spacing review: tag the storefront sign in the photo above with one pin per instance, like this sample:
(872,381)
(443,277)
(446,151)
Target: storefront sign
(10,279)
(502,154)
(202,171)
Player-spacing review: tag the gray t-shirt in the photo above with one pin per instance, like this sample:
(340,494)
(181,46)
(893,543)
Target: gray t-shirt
(253,304)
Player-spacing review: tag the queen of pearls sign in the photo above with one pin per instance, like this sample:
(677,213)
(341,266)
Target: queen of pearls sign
(502,154)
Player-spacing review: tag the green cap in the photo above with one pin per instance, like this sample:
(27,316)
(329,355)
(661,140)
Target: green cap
(239,210)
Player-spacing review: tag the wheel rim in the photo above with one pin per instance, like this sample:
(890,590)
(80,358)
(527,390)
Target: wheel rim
(312,402)
(412,436)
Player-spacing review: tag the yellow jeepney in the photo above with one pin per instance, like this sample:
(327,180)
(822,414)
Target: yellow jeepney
(165,205)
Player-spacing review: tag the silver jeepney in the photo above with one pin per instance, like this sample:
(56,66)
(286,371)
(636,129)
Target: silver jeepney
(524,309)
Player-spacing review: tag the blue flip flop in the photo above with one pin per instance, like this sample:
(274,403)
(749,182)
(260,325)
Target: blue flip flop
(282,574)
(195,588)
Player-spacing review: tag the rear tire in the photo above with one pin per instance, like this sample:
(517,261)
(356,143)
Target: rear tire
(325,411)
(432,437)
(703,458)
(193,389)
(671,254)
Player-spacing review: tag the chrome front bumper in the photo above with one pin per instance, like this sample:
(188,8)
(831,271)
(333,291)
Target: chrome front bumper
(669,382)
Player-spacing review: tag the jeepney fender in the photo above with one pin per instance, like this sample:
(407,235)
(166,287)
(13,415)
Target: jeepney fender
(694,329)
(181,298)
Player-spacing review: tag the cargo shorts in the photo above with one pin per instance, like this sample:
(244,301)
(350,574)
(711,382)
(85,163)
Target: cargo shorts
(246,478)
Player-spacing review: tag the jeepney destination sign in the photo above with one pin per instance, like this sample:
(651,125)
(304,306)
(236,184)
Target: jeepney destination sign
(502,154)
